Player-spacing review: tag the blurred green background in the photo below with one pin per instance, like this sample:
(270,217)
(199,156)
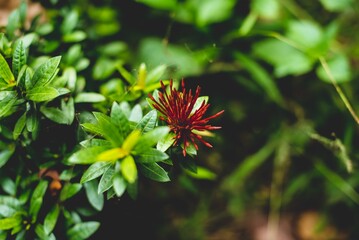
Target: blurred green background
(284,71)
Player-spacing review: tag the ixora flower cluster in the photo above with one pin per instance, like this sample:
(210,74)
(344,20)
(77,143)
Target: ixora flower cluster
(184,113)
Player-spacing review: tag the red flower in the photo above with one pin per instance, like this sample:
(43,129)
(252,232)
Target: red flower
(177,108)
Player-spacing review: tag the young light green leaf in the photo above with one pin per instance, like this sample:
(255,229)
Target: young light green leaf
(9,223)
(69,190)
(51,219)
(106,180)
(82,230)
(5,72)
(94,171)
(119,185)
(96,200)
(18,58)
(42,93)
(154,171)
(129,169)
(45,72)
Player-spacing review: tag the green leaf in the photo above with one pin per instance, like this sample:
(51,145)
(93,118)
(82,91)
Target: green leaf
(37,199)
(119,185)
(203,173)
(285,58)
(261,77)
(74,37)
(96,200)
(9,223)
(160,4)
(18,58)
(51,219)
(213,11)
(306,33)
(19,126)
(106,180)
(176,56)
(339,68)
(10,201)
(86,155)
(42,94)
(69,190)
(84,230)
(336,6)
(108,129)
(89,98)
(338,182)
(70,21)
(7,103)
(6,211)
(64,116)
(155,74)
(150,138)
(9,186)
(148,122)
(32,122)
(266,9)
(103,68)
(136,114)
(154,171)
(94,171)
(151,155)
(5,72)
(129,169)
(164,143)
(40,232)
(189,164)
(119,118)
(45,72)
(6,154)
(95,142)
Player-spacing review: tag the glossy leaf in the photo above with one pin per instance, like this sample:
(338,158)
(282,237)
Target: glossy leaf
(94,171)
(19,126)
(151,155)
(45,72)
(96,200)
(154,172)
(82,230)
(42,94)
(86,155)
(51,219)
(18,58)
(148,122)
(119,185)
(69,190)
(5,72)
(106,180)
(37,199)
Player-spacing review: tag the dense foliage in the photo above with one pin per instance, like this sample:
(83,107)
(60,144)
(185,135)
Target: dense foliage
(99,138)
